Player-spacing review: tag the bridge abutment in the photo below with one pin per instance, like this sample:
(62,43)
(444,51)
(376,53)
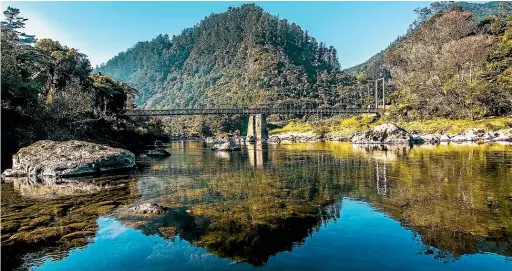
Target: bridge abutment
(257,126)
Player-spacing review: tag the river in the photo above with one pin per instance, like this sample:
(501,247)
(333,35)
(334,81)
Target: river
(296,206)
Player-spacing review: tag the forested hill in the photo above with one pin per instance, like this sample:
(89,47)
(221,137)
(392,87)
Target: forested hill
(242,57)
(373,67)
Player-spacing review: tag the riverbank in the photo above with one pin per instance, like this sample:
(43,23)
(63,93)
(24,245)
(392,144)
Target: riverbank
(344,129)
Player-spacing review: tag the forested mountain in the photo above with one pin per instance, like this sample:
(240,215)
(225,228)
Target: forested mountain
(373,67)
(247,57)
(242,57)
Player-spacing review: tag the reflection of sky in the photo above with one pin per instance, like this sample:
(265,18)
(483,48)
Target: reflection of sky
(361,239)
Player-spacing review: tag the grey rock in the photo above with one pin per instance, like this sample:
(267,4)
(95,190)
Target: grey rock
(210,140)
(503,135)
(250,139)
(55,159)
(383,134)
(148,208)
(445,138)
(226,146)
(431,139)
(158,153)
(274,139)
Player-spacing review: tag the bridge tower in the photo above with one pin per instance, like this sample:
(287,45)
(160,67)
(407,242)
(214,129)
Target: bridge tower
(257,126)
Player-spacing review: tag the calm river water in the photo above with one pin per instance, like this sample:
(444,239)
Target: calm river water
(300,206)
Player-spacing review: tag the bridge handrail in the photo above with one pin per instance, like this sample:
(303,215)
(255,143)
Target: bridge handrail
(246,111)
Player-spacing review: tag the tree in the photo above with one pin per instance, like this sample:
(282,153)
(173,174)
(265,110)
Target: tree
(14,22)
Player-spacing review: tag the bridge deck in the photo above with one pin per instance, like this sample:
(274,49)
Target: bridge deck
(249,111)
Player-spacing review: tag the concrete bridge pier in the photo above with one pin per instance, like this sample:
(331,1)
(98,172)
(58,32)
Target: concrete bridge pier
(257,126)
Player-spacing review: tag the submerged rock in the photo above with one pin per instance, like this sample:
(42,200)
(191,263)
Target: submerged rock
(226,146)
(148,208)
(48,158)
(158,153)
(383,134)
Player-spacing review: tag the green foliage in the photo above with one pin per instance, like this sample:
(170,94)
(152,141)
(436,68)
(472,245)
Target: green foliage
(453,67)
(48,88)
(243,57)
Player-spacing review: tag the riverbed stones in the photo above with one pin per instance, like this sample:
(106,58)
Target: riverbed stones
(503,135)
(71,158)
(431,138)
(387,133)
(158,153)
(274,140)
(148,208)
(444,138)
(226,146)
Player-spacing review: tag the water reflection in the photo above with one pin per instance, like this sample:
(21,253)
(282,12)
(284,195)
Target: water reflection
(253,205)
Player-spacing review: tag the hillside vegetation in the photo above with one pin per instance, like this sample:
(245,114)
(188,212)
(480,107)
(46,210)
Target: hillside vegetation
(242,57)
(453,67)
(48,92)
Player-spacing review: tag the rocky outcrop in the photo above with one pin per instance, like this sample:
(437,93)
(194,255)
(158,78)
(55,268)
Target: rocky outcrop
(148,208)
(383,134)
(226,146)
(479,134)
(72,158)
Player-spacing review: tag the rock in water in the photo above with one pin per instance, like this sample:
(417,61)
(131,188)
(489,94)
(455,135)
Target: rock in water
(158,153)
(503,135)
(274,139)
(383,134)
(226,146)
(148,208)
(48,158)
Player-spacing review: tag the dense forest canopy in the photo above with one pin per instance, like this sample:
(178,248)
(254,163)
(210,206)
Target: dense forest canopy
(242,57)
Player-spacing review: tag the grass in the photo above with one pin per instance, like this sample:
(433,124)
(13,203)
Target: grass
(295,126)
(452,127)
(346,127)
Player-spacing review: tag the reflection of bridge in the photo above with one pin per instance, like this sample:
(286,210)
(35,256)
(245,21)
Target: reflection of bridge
(257,123)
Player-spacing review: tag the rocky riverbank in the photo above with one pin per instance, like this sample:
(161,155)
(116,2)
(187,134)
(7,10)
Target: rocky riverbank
(392,134)
(387,133)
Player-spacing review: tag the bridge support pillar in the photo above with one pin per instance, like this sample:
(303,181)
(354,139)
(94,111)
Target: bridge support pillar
(257,126)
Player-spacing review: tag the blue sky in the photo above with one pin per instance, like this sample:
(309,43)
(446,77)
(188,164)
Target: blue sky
(357,30)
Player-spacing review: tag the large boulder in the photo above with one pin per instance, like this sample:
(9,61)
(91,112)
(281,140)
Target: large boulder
(383,134)
(226,146)
(55,159)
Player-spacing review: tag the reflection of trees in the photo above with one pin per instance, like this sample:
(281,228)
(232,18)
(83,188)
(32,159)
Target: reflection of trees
(456,198)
